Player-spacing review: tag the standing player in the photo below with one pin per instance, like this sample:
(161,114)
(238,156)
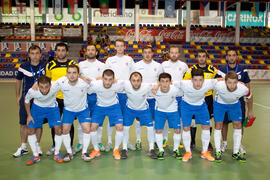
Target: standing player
(44,106)
(193,104)
(56,69)
(107,105)
(209,73)
(176,68)
(121,65)
(28,73)
(166,108)
(75,106)
(137,107)
(227,101)
(241,71)
(150,70)
(92,69)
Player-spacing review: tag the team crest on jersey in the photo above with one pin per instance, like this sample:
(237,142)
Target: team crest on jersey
(98,69)
(127,64)
(207,75)
(239,76)
(155,69)
(180,69)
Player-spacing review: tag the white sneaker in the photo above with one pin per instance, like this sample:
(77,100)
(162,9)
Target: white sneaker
(86,157)
(39,150)
(131,147)
(242,150)
(20,152)
(51,151)
(223,147)
(108,147)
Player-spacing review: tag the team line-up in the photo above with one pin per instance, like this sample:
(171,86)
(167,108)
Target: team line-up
(158,96)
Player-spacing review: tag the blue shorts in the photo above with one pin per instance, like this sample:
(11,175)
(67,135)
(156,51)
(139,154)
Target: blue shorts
(172,117)
(38,113)
(91,100)
(144,116)
(122,97)
(179,100)
(113,112)
(234,111)
(243,110)
(152,104)
(200,113)
(69,116)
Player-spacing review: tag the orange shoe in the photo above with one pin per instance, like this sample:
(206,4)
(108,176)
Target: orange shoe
(187,157)
(116,154)
(94,154)
(207,155)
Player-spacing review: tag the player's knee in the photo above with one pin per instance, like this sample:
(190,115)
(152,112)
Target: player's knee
(119,127)
(237,125)
(177,131)
(187,128)
(218,125)
(30,131)
(207,127)
(58,131)
(159,131)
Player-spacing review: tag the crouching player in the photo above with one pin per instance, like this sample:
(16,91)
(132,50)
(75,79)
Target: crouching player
(137,107)
(193,104)
(227,100)
(166,108)
(44,106)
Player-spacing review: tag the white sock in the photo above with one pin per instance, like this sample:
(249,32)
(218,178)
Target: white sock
(205,140)
(118,139)
(94,140)
(225,143)
(86,142)
(80,134)
(237,136)
(110,130)
(159,141)
(176,141)
(186,140)
(166,130)
(150,137)
(217,139)
(58,143)
(138,130)
(24,146)
(125,137)
(99,133)
(32,140)
(66,140)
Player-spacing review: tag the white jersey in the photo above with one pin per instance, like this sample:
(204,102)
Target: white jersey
(91,69)
(75,97)
(121,66)
(150,72)
(224,96)
(193,96)
(106,97)
(176,70)
(136,99)
(166,102)
(48,100)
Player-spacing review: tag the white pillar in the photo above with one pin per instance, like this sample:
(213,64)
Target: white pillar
(224,19)
(180,16)
(137,22)
(188,22)
(85,25)
(237,27)
(32,20)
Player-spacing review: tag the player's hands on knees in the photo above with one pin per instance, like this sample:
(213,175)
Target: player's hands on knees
(86,79)
(250,114)
(29,119)
(155,89)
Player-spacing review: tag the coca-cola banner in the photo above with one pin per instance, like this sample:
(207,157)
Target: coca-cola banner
(180,34)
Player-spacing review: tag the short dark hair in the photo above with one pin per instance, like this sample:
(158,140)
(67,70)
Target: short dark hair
(201,51)
(231,50)
(197,72)
(119,40)
(135,74)
(73,66)
(108,72)
(164,76)
(147,47)
(34,47)
(91,44)
(231,75)
(174,46)
(43,80)
(61,44)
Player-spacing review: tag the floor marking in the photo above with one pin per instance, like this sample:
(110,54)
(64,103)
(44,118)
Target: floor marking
(266,107)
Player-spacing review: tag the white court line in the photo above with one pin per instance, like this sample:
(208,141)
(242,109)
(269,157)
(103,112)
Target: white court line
(266,107)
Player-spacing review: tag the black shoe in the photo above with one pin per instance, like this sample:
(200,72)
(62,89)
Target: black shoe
(239,157)
(177,154)
(160,155)
(192,145)
(124,154)
(156,146)
(210,147)
(218,156)
(153,154)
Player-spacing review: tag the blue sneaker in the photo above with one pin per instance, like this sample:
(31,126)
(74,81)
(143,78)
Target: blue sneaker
(33,160)
(58,158)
